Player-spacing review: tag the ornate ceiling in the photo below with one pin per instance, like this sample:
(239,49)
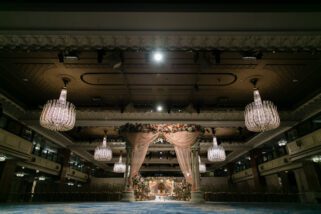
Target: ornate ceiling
(185,79)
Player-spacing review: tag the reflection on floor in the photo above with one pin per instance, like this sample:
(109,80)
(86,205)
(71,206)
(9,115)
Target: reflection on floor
(159,207)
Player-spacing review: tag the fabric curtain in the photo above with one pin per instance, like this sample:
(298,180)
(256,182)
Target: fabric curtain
(139,142)
(182,141)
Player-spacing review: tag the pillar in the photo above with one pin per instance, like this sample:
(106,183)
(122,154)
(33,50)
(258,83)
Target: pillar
(309,182)
(128,193)
(230,171)
(65,156)
(196,193)
(259,181)
(6,179)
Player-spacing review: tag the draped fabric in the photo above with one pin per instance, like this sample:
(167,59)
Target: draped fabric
(139,142)
(182,141)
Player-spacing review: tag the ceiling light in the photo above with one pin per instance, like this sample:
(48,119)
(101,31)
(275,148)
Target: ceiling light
(20,174)
(202,166)
(159,108)
(261,115)
(282,142)
(2,157)
(316,159)
(37,147)
(158,56)
(119,167)
(216,153)
(42,178)
(70,183)
(59,115)
(103,151)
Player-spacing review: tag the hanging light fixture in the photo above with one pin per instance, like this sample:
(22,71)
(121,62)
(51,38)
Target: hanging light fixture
(216,153)
(202,166)
(59,115)
(120,167)
(3,157)
(261,115)
(103,151)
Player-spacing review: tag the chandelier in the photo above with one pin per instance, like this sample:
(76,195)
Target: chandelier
(120,167)
(261,115)
(103,152)
(59,115)
(216,153)
(202,166)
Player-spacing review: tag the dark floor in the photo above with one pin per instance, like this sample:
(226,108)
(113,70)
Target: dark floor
(158,207)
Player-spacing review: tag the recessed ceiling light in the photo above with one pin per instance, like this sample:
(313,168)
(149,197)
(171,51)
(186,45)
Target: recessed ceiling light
(159,108)
(158,56)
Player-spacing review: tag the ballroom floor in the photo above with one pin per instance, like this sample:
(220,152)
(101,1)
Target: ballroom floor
(155,207)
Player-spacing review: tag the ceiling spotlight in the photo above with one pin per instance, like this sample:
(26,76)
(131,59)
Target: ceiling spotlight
(158,56)
(159,108)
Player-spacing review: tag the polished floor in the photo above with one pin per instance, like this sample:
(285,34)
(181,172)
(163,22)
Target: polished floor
(158,207)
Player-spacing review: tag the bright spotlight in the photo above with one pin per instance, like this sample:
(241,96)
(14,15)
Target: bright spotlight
(158,56)
(159,108)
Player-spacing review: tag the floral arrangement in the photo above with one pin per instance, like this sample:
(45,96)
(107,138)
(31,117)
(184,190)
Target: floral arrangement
(165,128)
(182,191)
(141,188)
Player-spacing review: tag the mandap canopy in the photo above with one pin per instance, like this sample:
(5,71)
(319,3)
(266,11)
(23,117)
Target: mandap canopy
(182,136)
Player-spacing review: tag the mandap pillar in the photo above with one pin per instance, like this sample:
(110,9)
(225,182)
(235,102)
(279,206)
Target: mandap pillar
(128,193)
(197,196)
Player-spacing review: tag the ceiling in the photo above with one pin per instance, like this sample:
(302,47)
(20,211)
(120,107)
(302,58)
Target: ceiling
(186,78)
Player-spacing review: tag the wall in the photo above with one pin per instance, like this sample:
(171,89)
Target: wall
(273,183)
(245,186)
(214,184)
(106,184)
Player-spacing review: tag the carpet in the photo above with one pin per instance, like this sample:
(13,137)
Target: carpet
(158,208)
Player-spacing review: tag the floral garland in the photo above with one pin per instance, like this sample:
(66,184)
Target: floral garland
(165,128)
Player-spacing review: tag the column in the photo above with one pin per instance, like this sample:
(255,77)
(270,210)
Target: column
(309,182)
(65,156)
(230,171)
(128,193)
(196,193)
(259,181)
(7,176)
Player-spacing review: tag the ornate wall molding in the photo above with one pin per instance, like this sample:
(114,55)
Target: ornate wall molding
(58,40)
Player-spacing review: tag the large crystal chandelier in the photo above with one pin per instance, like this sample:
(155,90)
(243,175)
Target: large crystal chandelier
(59,115)
(216,153)
(103,151)
(202,166)
(261,115)
(120,167)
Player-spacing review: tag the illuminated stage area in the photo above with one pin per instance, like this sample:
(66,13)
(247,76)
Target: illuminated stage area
(148,207)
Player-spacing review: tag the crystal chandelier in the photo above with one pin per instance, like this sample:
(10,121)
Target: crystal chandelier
(261,115)
(216,153)
(103,152)
(59,115)
(120,167)
(202,166)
